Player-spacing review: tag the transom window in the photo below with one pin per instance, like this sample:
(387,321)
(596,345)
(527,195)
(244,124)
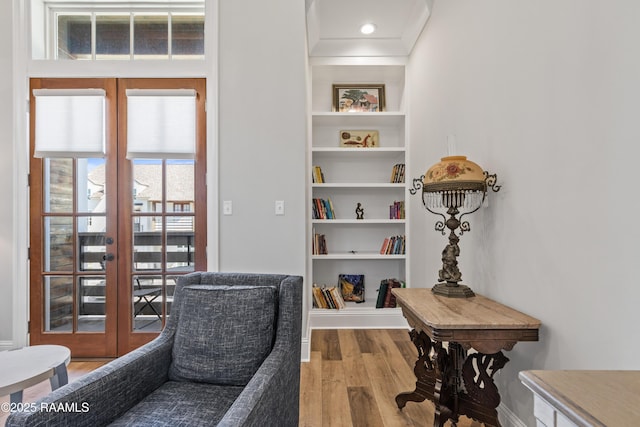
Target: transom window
(130,36)
(110,30)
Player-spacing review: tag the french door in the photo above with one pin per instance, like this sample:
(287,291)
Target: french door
(111,231)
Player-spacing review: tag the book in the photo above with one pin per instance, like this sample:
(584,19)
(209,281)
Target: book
(389,298)
(396,210)
(327,209)
(318,298)
(352,287)
(385,245)
(322,209)
(319,244)
(386,299)
(394,245)
(382,293)
(327,297)
(317,176)
(397,173)
(337,297)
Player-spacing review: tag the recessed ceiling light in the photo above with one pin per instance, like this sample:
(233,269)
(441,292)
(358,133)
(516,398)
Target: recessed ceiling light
(368,29)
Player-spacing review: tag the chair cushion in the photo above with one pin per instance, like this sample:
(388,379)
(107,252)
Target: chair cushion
(181,404)
(224,333)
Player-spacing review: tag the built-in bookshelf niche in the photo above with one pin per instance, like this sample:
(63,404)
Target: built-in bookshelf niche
(357,204)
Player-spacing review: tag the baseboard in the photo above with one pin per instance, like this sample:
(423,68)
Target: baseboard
(305,355)
(6,345)
(357,318)
(508,418)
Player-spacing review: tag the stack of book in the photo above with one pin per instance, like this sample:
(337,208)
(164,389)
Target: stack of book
(327,297)
(394,245)
(396,210)
(323,209)
(397,173)
(319,246)
(386,299)
(317,176)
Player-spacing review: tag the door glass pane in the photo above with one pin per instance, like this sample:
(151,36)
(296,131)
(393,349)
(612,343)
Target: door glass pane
(147,303)
(147,245)
(113,36)
(58,244)
(147,186)
(150,36)
(180,244)
(91,185)
(187,36)
(58,185)
(180,186)
(91,304)
(74,36)
(58,303)
(91,243)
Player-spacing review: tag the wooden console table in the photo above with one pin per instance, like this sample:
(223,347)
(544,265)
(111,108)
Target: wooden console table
(457,380)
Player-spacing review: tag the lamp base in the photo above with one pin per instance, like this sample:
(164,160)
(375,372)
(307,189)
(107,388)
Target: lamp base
(452,290)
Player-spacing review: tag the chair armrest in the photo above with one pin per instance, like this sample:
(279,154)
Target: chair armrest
(272,396)
(105,394)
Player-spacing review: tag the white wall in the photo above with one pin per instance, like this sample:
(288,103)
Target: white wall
(262,135)
(545,94)
(6,174)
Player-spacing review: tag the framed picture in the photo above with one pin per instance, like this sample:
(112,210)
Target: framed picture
(358,98)
(352,287)
(359,138)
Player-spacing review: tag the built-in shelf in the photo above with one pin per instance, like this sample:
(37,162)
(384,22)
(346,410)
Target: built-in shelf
(354,179)
(358,256)
(358,221)
(364,151)
(359,185)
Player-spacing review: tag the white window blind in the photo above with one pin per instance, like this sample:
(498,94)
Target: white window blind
(69,122)
(161,124)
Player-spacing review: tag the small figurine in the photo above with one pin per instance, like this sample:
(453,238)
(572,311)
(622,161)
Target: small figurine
(359,211)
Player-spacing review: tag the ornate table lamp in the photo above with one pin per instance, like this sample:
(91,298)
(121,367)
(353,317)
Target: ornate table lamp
(455,187)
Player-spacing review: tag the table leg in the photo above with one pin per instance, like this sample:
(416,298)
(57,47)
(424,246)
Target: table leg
(482,396)
(424,371)
(60,376)
(445,390)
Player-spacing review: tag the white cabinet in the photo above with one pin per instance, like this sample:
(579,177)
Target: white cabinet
(355,176)
(572,398)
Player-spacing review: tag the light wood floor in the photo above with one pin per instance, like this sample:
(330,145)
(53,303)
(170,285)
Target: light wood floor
(351,380)
(354,376)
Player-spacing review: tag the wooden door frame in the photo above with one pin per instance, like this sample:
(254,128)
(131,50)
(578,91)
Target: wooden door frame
(128,340)
(118,337)
(84,344)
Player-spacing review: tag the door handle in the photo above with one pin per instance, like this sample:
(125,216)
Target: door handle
(108,257)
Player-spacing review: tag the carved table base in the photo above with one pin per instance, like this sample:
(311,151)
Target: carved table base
(457,382)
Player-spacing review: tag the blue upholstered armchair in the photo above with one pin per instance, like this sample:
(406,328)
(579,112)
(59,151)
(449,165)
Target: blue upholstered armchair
(228,356)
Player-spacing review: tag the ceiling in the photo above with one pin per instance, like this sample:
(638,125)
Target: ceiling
(333,26)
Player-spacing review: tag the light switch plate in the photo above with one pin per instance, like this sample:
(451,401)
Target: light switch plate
(279,207)
(227,207)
